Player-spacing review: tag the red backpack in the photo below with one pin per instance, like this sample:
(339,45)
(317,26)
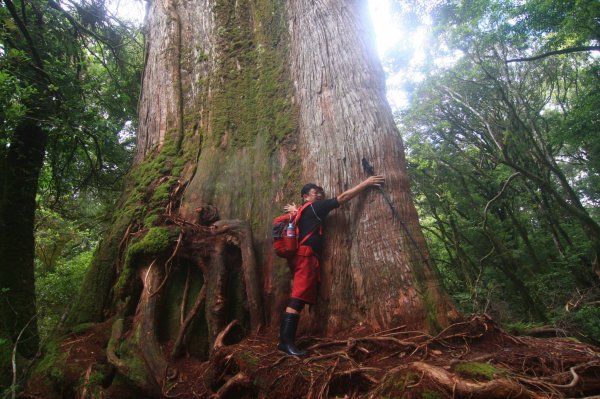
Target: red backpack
(286,232)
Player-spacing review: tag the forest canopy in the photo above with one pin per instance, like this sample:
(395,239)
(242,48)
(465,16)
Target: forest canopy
(502,146)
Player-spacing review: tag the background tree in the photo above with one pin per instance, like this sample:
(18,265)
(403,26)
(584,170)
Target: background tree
(59,122)
(502,155)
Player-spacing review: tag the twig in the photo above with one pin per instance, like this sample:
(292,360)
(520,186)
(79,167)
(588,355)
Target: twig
(324,392)
(328,355)
(67,343)
(389,330)
(362,371)
(184,298)
(14,358)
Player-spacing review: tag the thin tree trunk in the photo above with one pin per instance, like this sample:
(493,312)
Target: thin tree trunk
(20,172)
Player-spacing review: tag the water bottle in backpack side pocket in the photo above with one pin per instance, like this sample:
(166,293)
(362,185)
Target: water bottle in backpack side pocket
(290,238)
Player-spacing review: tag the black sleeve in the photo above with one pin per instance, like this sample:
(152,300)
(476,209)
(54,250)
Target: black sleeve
(323,207)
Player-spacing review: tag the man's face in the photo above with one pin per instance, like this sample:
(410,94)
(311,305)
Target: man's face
(314,194)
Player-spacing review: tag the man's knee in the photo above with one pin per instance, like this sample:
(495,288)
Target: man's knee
(296,304)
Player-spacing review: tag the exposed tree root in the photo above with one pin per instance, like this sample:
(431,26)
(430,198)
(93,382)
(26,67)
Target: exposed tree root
(473,359)
(470,359)
(500,388)
(209,248)
(239,382)
(177,347)
(239,232)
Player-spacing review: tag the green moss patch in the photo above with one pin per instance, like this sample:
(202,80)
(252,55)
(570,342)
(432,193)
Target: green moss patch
(477,370)
(52,366)
(154,242)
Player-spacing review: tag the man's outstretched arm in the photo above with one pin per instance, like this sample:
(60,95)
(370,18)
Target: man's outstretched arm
(347,195)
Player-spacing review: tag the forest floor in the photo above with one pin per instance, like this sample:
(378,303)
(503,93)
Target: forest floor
(472,359)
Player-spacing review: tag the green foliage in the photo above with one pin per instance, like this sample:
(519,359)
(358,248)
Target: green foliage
(502,155)
(74,78)
(56,290)
(5,353)
(64,250)
(586,321)
(85,95)
(520,328)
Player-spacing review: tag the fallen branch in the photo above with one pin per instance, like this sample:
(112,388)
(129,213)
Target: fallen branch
(86,382)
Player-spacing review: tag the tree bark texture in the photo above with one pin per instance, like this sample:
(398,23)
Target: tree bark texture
(245,101)
(376,266)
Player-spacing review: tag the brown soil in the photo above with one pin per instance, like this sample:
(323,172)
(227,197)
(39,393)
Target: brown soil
(473,359)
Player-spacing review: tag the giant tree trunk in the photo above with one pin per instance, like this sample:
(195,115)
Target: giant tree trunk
(376,266)
(242,103)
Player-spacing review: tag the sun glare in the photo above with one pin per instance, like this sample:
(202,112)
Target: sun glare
(130,10)
(388,32)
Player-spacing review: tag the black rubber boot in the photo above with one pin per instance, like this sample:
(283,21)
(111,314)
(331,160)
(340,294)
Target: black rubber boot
(287,335)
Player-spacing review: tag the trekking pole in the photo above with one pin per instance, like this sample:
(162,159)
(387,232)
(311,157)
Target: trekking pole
(370,171)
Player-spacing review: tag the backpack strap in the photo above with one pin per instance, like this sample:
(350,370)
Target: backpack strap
(297,219)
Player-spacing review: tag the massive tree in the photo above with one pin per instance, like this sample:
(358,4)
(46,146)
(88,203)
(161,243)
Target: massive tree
(242,103)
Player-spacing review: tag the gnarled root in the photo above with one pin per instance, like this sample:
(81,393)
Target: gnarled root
(239,382)
(223,366)
(498,388)
(240,232)
(147,313)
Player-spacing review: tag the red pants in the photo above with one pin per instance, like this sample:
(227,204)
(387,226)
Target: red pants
(305,266)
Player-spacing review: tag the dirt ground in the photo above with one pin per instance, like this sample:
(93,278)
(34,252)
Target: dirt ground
(472,359)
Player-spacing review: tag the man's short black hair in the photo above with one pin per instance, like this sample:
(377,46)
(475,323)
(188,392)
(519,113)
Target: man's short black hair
(309,186)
